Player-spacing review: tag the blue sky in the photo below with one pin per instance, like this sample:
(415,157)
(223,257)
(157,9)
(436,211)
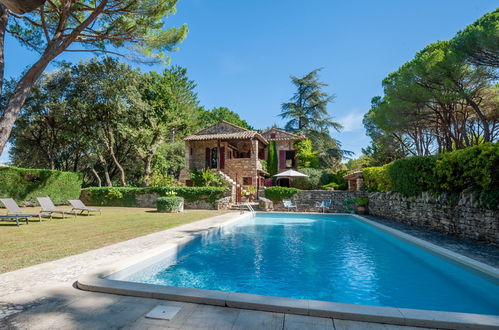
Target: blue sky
(241,53)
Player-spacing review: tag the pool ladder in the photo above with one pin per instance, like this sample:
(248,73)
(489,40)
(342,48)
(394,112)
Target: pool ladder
(250,208)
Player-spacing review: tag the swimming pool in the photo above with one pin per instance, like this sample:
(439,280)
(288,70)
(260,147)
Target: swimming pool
(336,258)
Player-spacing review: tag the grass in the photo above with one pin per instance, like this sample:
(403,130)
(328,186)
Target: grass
(37,242)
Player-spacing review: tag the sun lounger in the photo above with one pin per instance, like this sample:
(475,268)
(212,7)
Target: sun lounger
(49,207)
(14,210)
(324,205)
(14,217)
(289,204)
(79,206)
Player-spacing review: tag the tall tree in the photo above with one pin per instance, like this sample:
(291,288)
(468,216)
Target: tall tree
(307,109)
(119,27)
(172,110)
(307,114)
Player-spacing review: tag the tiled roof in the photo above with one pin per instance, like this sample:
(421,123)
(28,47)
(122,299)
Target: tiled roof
(225,131)
(282,135)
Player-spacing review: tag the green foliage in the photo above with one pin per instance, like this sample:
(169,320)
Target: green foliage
(475,168)
(160,180)
(471,169)
(218,114)
(331,186)
(377,178)
(207,178)
(126,196)
(337,178)
(479,42)
(442,100)
(24,185)
(412,175)
(277,194)
(315,180)
(272,159)
(169,203)
(137,28)
(263,162)
(305,154)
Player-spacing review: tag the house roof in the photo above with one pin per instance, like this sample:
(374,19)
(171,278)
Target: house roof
(224,130)
(281,135)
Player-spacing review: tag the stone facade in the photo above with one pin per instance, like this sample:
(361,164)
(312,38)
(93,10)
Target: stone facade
(306,200)
(462,218)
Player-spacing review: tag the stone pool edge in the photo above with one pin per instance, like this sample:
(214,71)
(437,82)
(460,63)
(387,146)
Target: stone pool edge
(97,282)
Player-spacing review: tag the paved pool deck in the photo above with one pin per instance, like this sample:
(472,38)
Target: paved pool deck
(45,297)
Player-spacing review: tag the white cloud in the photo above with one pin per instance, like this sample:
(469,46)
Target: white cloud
(352,122)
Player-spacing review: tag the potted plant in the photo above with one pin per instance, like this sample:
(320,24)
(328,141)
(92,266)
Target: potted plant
(362,203)
(251,192)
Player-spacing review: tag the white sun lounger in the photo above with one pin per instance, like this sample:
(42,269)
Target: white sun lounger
(14,210)
(49,207)
(14,217)
(79,206)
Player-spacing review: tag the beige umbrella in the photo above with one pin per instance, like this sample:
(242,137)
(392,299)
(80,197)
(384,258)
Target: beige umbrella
(22,6)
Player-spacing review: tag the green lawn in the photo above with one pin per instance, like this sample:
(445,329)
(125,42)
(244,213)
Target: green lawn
(37,242)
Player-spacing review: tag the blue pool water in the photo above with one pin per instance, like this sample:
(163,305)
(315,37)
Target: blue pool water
(332,258)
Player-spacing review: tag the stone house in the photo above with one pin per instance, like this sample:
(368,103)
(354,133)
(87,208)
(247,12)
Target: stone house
(228,149)
(237,153)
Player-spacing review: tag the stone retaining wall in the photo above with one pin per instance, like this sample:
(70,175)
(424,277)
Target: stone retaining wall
(306,200)
(462,218)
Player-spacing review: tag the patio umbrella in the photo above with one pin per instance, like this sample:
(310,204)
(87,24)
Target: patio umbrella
(290,174)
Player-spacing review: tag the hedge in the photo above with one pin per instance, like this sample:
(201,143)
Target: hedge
(25,185)
(126,196)
(277,194)
(169,203)
(471,169)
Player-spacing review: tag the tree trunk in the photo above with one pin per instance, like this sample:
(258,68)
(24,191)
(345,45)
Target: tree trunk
(156,141)
(21,92)
(109,183)
(99,181)
(109,141)
(4,17)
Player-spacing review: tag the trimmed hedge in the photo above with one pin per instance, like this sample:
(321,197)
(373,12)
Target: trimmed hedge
(471,169)
(169,203)
(25,185)
(277,194)
(126,196)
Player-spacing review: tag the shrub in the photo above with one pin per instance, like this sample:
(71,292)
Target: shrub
(331,185)
(169,203)
(471,169)
(377,178)
(315,180)
(338,179)
(362,201)
(277,194)
(412,175)
(109,195)
(475,168)
(207,178)
(24,185)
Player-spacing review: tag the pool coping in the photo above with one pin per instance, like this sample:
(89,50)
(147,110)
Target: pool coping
(97,281)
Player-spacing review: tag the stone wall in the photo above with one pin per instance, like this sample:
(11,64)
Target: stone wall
(306,200)
(461,218)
